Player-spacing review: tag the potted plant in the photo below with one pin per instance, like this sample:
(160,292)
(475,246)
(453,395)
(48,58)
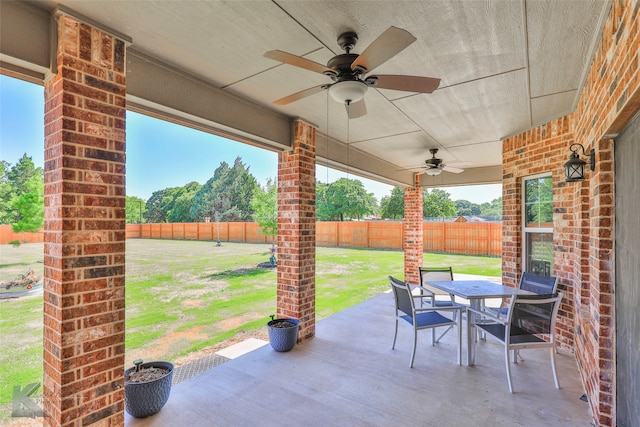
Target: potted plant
(283,333)
(147,387)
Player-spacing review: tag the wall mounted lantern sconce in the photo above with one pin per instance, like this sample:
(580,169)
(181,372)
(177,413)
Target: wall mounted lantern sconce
(574,167)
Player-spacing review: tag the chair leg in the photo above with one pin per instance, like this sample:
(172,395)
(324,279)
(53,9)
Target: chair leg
(415,343)
(508,365)
(460,340)
(395,335)
(553,366)
(433,336)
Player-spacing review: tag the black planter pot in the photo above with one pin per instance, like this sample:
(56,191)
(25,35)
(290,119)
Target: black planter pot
(283,333)
(143,399)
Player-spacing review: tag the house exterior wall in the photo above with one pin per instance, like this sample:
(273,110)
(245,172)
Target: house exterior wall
(534,152)
(84,250)
(583,211)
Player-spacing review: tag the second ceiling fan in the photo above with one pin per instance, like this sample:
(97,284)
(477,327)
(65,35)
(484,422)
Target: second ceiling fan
(348,71)
(434,166)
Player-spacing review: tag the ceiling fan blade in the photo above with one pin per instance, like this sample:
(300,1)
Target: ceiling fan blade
(298,61)
(405,83)
(356,109)
(452,170)
(299,95)
(386,46)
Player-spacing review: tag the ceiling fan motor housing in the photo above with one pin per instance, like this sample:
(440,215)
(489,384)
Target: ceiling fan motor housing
(342,64)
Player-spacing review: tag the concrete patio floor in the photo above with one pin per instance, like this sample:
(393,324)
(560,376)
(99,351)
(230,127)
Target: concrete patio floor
(349,376)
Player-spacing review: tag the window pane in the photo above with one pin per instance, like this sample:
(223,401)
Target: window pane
(539,253)
(538,206)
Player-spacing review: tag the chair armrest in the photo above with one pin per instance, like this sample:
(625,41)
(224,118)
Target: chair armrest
(425,292)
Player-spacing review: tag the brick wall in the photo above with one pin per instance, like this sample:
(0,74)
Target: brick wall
(84,229)
(297,230)
(584,211)
(537,151)
(412,230)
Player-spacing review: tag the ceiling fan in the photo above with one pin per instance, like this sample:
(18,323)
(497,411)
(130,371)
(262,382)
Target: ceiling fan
(435,166)
(348,71)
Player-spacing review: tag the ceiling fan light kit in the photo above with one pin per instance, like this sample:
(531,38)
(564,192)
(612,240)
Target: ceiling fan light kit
(434,171)
(348,91)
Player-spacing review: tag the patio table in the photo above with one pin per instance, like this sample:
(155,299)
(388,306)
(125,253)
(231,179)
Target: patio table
(475,291)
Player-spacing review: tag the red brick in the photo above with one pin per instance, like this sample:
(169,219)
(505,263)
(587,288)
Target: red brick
(77,162)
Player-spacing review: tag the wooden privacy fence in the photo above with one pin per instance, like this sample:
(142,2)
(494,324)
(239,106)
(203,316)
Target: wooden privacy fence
(471,238)
(7,235)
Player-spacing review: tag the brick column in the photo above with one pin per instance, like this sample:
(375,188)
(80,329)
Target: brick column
(84,229)
(412,232)
(297,231)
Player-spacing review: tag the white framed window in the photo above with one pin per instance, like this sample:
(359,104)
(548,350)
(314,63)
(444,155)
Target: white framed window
(537,223)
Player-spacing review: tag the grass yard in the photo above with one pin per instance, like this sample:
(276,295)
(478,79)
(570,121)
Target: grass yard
(189,296)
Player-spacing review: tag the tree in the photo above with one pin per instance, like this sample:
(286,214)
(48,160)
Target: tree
(393,206)
(29,206)
(437,204)
(344,198)
(179,210)
(227,195)
(5,193)
(323,207)
(265,208)
(172,204)
(493,209)
(158,205)
(466,208)
(135,209)
(22,195)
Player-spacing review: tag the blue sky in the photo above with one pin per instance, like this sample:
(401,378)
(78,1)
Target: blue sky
(162,154)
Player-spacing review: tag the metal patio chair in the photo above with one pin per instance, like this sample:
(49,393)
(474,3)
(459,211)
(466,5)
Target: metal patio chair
(541,285)
(530,323)
(435,296)
(422,318)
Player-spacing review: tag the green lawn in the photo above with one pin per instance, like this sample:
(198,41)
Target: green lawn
(182,296)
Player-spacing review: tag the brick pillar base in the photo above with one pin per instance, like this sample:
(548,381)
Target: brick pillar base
(84,229)
(297,231)
(412,232)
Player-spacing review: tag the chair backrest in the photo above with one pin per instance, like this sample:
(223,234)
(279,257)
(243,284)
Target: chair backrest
(435,274)
(402,296)
(534,314)
(541,285)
